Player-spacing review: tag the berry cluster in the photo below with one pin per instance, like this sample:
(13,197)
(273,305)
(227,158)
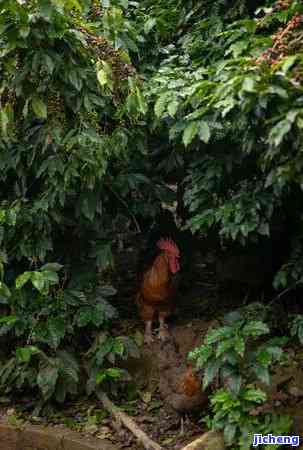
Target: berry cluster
(56,109)
(104,51)
(96,10)
(281,42)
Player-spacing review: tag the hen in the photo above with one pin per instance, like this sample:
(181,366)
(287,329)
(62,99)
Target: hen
(158,288)
(179,385)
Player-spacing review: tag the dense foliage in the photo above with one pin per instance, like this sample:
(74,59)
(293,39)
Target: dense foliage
(234,356)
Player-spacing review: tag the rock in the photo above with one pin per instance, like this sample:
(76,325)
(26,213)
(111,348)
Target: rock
(212,440)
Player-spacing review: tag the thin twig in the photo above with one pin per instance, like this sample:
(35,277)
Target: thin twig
(123,418)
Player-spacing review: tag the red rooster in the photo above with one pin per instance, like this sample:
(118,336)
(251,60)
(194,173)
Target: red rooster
(158,288)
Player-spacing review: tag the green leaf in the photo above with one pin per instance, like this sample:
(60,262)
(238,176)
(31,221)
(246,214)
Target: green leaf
(173,107)
(149,25)
(262,374)
(85,316)
(47,379)
(255,328)
(211,371)
(288,62)
(38,281)
(161,103)
(189,133)
(4,120)
(75,79)
(56,330)
(141,101)
(239,346)
(24,354)
(8,320)
(39,107)
(204,132)
(112,373)
(50,64)
(254,395)
(4,291)
(22,279)
(229,433)
(53,267)
(234,382)
(51,277)
(248,84)
(24,31)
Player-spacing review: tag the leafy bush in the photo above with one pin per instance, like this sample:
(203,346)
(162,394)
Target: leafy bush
(237,356)
(233,415)
(58,340)
(230,92)
(70,105)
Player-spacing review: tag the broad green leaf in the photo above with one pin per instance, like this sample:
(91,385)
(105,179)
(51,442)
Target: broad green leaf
(4,290)
(38,281)
(189,133)
(85,316)
(161,104)
(254,395)
(248,84)
(24,31)
(75,79)
(24,354)
(8,320)
(278,132)
(204,131)
(47,379)
(229,433)
(53,267)
(210,373)
(149,25)
(173,107)
(22,279)
(239,346)
(288,62)
(255,328)
(39,107)
(141,101)
(56,330)
(4,120)
(102,77)
(262,374)
(51,277)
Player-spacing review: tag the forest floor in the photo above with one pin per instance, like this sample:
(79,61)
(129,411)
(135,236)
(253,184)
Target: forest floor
(199,304)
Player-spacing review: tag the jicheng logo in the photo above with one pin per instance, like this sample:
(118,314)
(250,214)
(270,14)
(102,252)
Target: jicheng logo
(271,439)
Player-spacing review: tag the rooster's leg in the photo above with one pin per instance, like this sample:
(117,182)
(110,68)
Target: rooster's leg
(163,330)
(148,337)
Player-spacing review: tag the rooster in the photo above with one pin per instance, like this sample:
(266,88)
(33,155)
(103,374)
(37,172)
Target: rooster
(158,288)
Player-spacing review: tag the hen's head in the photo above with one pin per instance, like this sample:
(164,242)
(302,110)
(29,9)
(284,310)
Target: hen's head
(172,252)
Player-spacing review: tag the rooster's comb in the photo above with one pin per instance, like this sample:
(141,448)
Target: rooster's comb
(169,246)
